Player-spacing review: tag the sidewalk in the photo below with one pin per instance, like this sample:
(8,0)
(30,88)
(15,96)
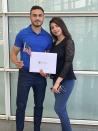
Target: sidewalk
(7,125)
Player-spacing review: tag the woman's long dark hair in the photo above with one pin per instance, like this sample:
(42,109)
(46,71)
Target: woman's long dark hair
(61,24)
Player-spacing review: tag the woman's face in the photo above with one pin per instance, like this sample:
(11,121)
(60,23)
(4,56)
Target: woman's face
(56,30)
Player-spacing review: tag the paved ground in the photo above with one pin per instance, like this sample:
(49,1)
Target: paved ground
(6,125)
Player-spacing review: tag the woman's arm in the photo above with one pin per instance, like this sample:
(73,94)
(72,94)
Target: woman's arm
(69,50)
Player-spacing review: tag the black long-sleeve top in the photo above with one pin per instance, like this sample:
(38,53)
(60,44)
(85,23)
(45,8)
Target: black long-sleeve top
(65,54)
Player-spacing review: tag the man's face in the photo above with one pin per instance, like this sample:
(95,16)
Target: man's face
(37,17)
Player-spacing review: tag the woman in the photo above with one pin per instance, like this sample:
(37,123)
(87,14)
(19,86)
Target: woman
(63,80)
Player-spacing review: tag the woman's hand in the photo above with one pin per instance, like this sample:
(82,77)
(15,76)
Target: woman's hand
(56,88)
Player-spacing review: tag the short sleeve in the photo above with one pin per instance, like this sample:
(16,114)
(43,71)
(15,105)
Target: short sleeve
(19,40)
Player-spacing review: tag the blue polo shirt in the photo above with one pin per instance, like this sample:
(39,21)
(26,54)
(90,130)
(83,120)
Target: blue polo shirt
(27,38)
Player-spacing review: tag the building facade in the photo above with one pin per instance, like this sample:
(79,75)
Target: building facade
(81,18)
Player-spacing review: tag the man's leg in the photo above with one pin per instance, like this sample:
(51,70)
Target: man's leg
(23,88)
(39,94)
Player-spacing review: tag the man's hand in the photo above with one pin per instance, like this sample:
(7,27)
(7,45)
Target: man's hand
(27,50)
(42,73)
(14,52)
(19,64)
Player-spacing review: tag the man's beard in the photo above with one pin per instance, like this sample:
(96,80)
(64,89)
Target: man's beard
(37,25)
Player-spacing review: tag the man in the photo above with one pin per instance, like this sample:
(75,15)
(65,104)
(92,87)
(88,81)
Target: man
(33,38)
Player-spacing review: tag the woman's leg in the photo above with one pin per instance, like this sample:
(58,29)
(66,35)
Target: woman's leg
(60,104)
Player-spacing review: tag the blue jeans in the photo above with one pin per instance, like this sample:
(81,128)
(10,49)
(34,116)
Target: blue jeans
(60,104)
(26,80)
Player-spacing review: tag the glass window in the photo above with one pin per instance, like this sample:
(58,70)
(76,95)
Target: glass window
(0,5)
(1,29)
(82,99)
(14,28)
(15,25)
(2,94)
(1,54)
(54,5)
(1,44)
(84,31)
(14,77)
(83,103)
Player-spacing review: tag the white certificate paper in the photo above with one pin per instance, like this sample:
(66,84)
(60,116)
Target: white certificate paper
(43,61)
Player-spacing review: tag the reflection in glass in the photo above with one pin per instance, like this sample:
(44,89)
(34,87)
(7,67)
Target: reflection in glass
(2,94)
(54,5)
(84,31)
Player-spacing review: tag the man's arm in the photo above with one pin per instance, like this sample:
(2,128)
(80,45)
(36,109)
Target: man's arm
(14,52)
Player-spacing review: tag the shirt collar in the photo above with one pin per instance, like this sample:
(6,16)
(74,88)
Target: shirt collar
(41,32)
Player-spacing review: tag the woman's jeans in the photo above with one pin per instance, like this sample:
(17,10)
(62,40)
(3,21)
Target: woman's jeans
(60,103)
(26,80)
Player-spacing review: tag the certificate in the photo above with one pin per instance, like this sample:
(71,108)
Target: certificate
(43,61)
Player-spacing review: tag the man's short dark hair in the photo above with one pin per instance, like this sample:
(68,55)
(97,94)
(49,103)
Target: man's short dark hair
(36,7)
